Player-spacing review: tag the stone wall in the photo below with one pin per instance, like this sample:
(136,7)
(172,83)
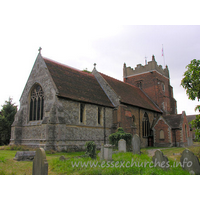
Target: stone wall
(106,88)
(74,134)
(24,130)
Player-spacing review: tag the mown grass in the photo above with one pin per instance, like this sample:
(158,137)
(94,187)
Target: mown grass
(121,164)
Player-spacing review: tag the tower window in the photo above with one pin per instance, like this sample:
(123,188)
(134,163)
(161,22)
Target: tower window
(36,103)
(163,87)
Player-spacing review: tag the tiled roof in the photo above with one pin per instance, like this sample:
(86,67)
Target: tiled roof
(76,85)
(173,120)
(190,118)
(130,94)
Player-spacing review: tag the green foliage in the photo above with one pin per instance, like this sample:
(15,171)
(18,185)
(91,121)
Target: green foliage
(191,80)
(7,115)
(196,125)
(120,134)
(90,149)
(85,70)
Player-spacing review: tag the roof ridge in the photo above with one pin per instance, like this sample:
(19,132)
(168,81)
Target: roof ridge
(172,115)
(122,81)
(67,66)
(150,103)
(151,100)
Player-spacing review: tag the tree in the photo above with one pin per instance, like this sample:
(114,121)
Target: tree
(191,82)
(7,115)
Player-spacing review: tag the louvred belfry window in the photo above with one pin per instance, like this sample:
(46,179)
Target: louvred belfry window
(36,103)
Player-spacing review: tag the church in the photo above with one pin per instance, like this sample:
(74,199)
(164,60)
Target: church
(61,108)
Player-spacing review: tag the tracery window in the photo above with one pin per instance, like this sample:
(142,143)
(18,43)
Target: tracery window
(36,103)
(145,126)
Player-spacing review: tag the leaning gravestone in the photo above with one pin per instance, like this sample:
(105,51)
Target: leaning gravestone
(40,165)
(122,145)
(24,156)
(190,162)
(62,158)
(136,144)
(108,152)
(160,160)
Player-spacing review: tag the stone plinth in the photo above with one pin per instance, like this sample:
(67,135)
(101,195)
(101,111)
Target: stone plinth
(24,156)
(108,152)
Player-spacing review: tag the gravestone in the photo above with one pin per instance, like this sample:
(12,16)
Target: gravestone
(190,162)
(24,156)
(122,145)
(62,158)
(108,152)
(136,144)
(160,160)
(189,141)
(40,165)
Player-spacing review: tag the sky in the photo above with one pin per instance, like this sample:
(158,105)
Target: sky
(108,33)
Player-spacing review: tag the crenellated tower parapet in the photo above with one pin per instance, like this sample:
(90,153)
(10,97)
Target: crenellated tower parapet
(151,66)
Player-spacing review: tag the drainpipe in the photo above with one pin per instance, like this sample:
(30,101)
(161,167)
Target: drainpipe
(139,122)
(104,125)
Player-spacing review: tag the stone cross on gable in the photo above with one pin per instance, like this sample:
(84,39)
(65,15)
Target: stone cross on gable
(40,50)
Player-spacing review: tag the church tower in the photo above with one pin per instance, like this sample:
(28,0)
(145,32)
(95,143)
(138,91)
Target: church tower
(155,82)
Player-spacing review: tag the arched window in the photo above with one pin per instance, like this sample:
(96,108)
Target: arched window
(145,126)
(100,115)
(82,113)
(36,103)
(162,137)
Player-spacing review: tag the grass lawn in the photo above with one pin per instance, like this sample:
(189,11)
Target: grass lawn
(122,164)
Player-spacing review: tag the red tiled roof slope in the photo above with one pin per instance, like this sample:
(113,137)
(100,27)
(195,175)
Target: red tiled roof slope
(173,120)
(77,85)
(130,94)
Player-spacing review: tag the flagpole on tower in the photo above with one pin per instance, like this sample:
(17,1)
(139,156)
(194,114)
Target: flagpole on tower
(163,55)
